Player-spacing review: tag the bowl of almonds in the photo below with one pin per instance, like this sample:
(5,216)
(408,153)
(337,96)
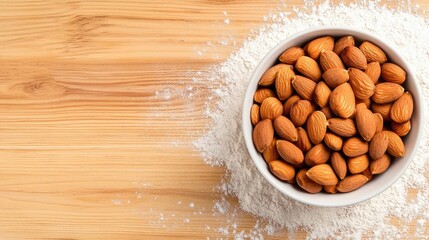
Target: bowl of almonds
(332,116)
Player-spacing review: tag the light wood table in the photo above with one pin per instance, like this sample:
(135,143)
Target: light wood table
(89,150)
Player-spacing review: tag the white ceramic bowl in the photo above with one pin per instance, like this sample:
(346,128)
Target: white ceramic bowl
(379,183)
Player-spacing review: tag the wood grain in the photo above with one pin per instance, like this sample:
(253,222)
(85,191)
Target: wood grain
(95,129)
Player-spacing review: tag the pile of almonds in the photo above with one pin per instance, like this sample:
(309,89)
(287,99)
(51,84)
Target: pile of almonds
(331,114)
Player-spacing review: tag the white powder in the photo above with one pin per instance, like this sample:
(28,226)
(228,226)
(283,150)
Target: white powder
(223,144)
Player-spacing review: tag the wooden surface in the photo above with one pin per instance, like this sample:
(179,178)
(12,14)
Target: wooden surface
(95,128)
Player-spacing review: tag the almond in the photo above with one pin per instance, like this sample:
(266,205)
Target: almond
(380,165)
(362,85)
(342,127)
(342,101)
(304,87)
(263,134)
(373,71)
(372,52)
(303,142)
(291,55)
(321,94)
(379,122)
(269,77)
(322,174)
(365,123)
(328,60)
(335,77)
(282,170)
(288,104)
(333,141)
(358,164)
(367,173)
(285,129)
(339,165)
(316,46)
(387,92)
(270,152)
(365,101)
(383,110)
(402,129)
(283,83)
(378,145)
(343,43)
(391,72)
(351,183)
(306,183)
(402,109)
(289,152)
(354,58)
(254,114)
(330,188)
(317,155)
(299,112)
(263,93)
(328,112)
(354,147)
(316,127)
(395,147)
(309,68)
(271,108)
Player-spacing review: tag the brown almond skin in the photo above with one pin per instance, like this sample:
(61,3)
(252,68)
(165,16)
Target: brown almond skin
(395,146)
(365,123)
(378,145)
(254,114)
(391,72)
(362,85)
(367,173)
(402,129)
(328,59)
(289,152)
(366,101)
(373,71)
(283,83)
(317,155)
(383,110)
(288,104)
(343,43)
(321,94)
(402,109)
(322,174)
(333,141)
(335,76)
(285,129)
(354,58)
(328,112)
(303,142)
(309,68)
(358,164)
(269,77)
(316,127)
(263,135)
(263,93)
(306,183)
(270,153)
(354,147)
(379,122)
(299,112)
(342,127)
(304,87)
(351,183)
(316,46)
(271,108)
(282,170)
(291,55)
(339,164)
(380,165)
(330,188)
(372,52)
(387,92)
(342,101)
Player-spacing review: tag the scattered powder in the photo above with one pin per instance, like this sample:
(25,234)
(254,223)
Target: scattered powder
(223,145)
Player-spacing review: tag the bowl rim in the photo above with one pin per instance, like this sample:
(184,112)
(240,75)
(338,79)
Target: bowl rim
(323,31)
